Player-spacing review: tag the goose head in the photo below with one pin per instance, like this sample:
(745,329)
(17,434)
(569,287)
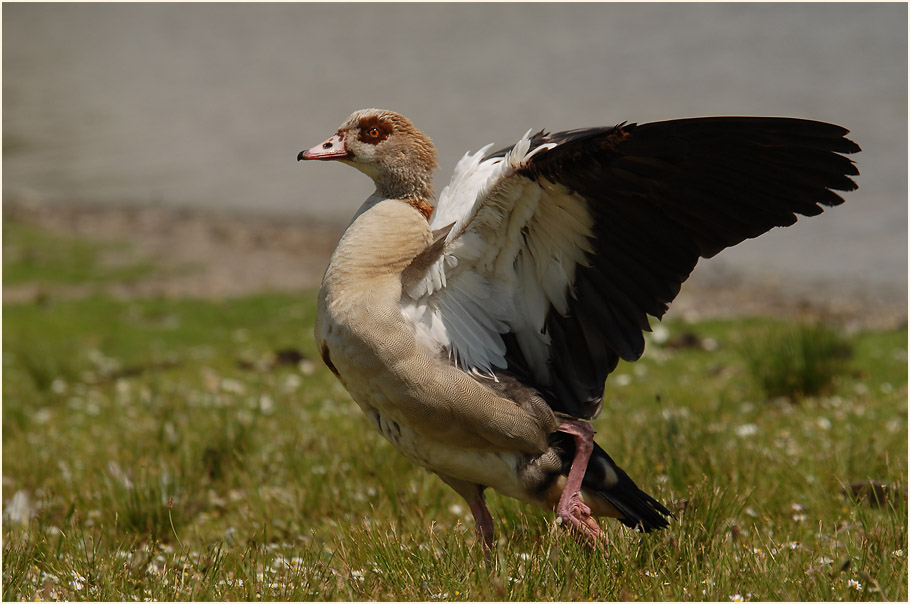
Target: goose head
(385,146)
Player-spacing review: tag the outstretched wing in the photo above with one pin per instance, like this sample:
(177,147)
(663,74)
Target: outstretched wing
(551,254)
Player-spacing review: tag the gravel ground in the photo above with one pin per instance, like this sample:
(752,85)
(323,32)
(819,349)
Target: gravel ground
(215,256)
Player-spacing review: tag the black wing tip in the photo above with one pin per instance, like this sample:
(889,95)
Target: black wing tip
(639,510)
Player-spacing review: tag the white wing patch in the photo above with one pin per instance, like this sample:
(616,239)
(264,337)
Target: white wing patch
(510,257)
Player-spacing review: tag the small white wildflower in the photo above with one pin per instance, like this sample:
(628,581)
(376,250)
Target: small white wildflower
(307,367)
(232,386)
(357,575)
(19,509)
(799,517)
(660,334)
(737,598)
(456,509)
(43,416)
(825,560)
(854,584)
(103,363)
(623,379)
(824,423)
(898,553)
(291,383)
(746,430)
(119,475)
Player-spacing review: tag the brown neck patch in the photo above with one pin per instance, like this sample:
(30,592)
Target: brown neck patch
(424,207)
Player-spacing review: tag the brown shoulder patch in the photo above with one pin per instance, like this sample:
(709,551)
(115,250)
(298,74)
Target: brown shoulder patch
(374,129)
(424,207)
(327,359)
(425,259)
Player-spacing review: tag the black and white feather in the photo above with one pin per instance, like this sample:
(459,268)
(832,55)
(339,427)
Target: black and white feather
(553,252)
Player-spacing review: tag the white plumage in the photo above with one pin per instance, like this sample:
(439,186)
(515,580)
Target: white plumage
(513,246)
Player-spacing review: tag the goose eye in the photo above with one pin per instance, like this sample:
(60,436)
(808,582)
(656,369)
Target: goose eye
(373,133)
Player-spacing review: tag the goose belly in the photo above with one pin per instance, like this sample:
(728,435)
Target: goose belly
(499,470)
(416,427)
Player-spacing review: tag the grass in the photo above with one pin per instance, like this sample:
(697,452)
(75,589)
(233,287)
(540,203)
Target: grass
(31,255)
(796,361)
(164,450)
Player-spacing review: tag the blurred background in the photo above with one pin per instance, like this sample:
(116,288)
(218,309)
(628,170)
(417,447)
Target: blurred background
(207,105)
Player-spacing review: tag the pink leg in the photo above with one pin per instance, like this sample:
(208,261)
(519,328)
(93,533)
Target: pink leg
(570,508)
(483,521)
(483,525)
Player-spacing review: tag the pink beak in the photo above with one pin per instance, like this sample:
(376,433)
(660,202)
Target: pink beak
(333,148)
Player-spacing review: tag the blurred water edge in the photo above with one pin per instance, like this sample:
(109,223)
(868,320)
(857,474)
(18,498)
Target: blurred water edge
(207,105)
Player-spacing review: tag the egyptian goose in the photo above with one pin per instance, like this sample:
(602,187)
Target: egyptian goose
(477,336)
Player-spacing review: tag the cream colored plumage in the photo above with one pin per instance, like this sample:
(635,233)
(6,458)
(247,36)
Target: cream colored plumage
(476,338)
